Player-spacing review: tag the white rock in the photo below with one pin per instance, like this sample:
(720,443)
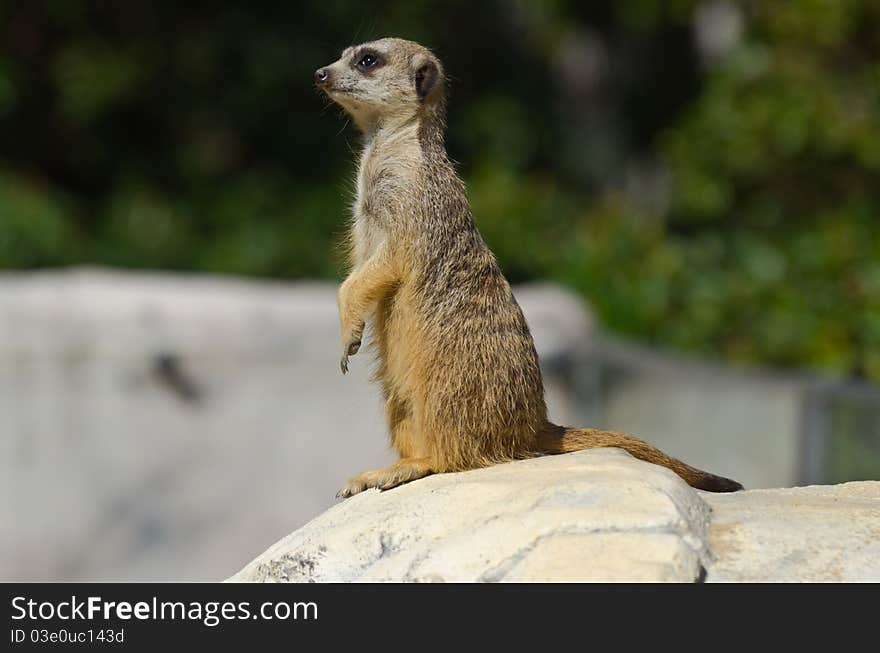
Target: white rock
(595,515)
(809,534)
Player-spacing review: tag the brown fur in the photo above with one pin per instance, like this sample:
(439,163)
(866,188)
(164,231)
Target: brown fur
(456,360)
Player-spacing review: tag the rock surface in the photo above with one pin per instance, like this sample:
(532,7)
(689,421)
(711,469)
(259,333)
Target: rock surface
(595,515)
(589,516)
(820,533)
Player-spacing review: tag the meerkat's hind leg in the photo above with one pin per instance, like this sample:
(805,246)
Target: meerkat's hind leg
(403,471)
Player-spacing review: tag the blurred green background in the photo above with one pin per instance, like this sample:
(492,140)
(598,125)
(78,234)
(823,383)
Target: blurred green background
(706,173)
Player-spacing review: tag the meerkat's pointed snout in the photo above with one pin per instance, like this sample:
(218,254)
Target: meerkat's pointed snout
(322,76)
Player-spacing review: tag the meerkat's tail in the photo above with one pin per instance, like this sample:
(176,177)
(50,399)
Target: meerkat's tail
(558,439)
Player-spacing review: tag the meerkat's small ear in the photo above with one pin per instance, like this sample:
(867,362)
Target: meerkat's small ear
(426,78)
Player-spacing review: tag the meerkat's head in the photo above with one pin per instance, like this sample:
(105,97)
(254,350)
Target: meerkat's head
(384,81)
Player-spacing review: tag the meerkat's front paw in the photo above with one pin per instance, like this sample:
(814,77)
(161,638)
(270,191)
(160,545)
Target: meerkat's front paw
(350,350)
(350,346)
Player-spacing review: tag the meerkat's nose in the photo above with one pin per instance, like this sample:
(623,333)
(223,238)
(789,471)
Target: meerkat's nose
(322,76)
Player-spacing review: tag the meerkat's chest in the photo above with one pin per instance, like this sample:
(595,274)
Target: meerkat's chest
(368,230)
(366,239)
(379,194)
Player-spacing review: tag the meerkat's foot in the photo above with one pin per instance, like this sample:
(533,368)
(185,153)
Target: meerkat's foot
(403,471)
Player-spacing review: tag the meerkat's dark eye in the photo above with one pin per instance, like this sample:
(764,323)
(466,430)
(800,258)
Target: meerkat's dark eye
(368,61)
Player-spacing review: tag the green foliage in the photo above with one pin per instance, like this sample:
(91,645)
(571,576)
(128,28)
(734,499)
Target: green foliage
(34,225)
(150,135)
(778,160)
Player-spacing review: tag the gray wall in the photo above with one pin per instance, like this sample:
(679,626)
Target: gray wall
(746,425)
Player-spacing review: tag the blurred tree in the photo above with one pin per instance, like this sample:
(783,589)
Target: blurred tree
(770,248)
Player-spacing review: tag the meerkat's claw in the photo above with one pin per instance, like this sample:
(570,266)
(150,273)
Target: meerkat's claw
(349,349)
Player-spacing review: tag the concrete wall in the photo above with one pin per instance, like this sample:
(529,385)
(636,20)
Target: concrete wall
(746,425)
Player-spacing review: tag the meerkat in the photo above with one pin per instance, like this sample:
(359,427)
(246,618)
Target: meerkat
(456,361)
